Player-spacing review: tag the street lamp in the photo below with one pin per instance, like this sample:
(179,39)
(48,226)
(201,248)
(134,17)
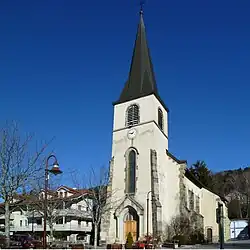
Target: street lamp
(148,211)
(54,170)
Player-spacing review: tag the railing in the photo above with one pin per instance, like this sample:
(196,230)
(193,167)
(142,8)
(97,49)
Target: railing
(56,227)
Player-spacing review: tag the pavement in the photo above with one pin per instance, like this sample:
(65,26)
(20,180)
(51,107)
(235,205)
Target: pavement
(234,244)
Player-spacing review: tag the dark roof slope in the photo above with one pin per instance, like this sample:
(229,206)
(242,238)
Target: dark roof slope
(141,80)
(193,179)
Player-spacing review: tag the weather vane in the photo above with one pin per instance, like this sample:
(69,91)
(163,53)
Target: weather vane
(142,2)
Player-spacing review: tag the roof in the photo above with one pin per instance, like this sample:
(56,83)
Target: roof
(141,80)
(24,199)
(175,159)
(193,179)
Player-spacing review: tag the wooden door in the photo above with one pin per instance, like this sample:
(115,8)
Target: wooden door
(130,226)
(210,235)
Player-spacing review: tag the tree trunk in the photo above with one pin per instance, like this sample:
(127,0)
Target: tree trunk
(51,229)
(95,236)
(7,223)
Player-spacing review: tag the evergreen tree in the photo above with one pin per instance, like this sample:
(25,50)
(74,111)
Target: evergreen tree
(202,173)
(129,241)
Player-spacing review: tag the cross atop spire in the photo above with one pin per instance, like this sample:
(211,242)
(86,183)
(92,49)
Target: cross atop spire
(141,4)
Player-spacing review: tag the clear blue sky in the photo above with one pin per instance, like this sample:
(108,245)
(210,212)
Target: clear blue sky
(63,63)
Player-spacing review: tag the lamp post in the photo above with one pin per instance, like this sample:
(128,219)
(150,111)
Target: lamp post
(33,215)
(54,170)
(220,221)
(148,211)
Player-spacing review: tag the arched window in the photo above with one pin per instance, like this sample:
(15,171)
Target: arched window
(160,118)
(133,115)
(129,217)
(131,171)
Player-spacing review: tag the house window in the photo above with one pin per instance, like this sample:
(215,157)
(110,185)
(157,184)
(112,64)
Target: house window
(39,221)
(197,204)
(191,200)
(79,207)
(59,221)
(61,194)
(79,222)
(65,194)
(131,171)
(133,115)
(26,223)
(21,223)
(160,118)
(87,223)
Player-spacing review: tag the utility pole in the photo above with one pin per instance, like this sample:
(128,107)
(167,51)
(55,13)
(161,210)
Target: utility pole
(220,221)
(248,216)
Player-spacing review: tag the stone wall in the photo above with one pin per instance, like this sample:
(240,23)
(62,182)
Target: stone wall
(156,205)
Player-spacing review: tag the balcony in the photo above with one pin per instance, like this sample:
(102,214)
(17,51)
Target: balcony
(2,217)
(57,227)
(69,212)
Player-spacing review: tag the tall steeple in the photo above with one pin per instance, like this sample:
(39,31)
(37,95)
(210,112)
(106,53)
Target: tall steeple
(141,80)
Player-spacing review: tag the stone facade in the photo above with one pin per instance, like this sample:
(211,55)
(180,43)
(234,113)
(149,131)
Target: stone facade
(156,205)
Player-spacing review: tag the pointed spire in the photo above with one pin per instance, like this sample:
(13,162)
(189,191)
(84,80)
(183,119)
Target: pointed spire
(141,81)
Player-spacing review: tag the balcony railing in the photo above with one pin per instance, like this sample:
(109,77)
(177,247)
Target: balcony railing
(56,227)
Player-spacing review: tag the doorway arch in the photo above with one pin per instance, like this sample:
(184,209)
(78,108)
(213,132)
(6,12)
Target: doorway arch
(131,223)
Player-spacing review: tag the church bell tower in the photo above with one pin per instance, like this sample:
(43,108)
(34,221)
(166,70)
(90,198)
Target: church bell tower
(140,129)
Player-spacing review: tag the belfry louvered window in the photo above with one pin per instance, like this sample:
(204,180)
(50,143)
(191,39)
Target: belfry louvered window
(133,115)
(160,119)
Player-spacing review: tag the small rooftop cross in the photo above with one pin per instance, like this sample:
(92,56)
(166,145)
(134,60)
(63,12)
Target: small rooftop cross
(142,2)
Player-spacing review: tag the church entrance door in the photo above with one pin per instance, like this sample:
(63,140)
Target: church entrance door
(131,224)
(130,227)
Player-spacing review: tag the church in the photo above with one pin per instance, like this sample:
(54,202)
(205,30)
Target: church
(149,185)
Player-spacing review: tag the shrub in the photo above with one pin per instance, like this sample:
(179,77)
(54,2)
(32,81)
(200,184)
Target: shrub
(197,238)
(129,241)
(182,239)
(193,239)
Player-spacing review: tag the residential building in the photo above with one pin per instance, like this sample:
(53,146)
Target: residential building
(239,229)
(69,212)
(142,168)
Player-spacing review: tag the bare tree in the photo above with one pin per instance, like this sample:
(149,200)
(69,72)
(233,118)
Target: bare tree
(98,201)
(168,233)
(55,203)
(240,191)
(17,167)
(181,225)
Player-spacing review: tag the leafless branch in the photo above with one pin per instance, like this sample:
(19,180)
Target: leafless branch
(99,199)
(17,165)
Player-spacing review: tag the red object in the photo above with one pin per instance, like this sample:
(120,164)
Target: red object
(141,245)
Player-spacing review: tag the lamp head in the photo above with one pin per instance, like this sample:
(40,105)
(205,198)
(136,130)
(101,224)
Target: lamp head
(55,169)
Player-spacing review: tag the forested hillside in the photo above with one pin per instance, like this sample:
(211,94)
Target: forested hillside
(232,184)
